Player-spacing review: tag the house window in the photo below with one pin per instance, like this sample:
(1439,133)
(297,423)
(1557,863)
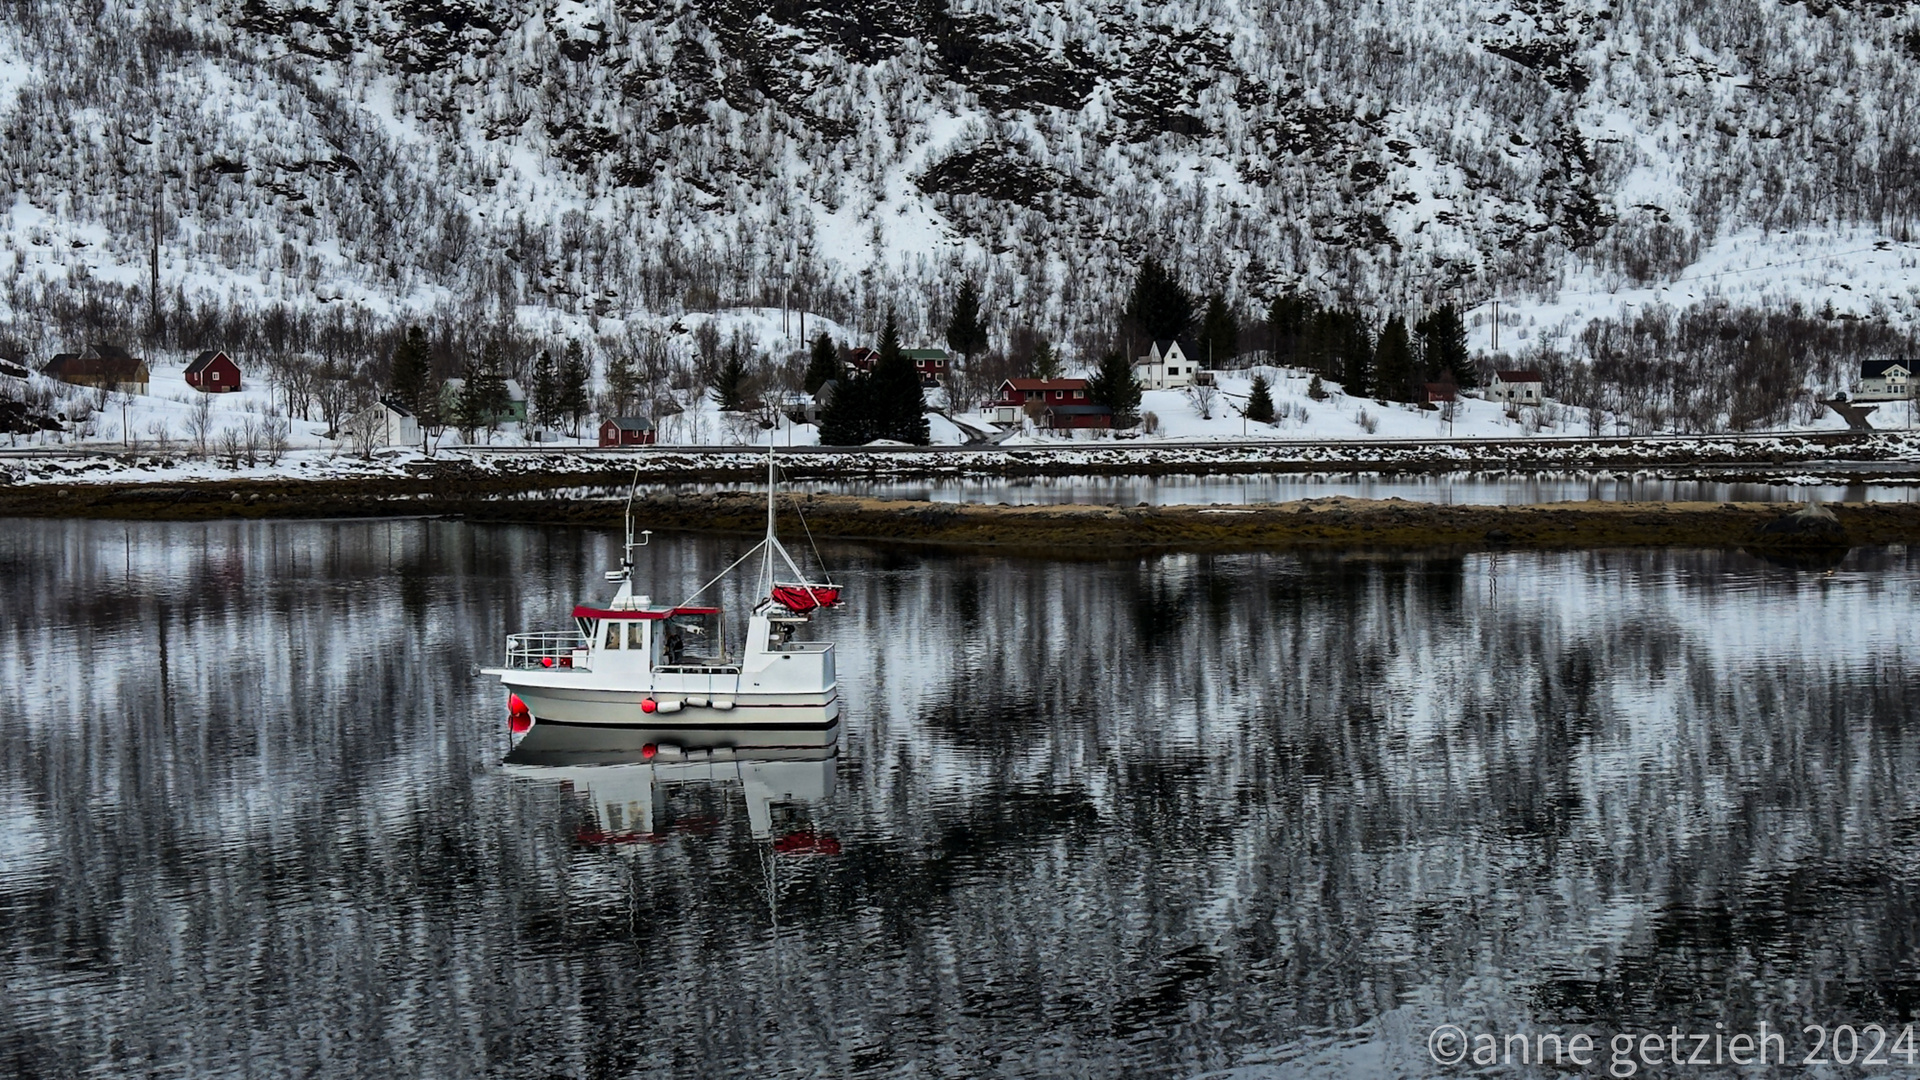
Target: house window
(1079,393)
(1059,395)
(216,376)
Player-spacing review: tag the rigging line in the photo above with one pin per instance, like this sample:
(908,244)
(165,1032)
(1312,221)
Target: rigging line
(722,574)
(802,515)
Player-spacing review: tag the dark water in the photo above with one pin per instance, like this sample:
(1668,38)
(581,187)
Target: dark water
(1254,815)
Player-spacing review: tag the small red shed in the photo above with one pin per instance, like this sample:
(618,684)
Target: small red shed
(214,372)
(627,431)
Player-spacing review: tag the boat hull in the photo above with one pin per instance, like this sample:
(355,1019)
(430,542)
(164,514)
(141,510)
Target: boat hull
(809,719)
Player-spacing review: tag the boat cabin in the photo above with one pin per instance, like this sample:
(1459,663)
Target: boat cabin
(667,638)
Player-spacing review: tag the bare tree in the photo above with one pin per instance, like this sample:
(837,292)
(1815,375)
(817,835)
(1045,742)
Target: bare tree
(200,424)
(1203,396)
(336,391)
(274,430)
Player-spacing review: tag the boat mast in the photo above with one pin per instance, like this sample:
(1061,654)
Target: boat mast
(766,587)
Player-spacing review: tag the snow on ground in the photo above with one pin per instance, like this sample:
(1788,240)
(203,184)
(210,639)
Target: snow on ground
(1855,272)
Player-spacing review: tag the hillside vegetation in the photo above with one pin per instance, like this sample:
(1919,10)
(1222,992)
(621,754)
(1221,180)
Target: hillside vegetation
(281,175)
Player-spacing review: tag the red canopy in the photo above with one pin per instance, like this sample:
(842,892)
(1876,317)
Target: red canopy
(802,597)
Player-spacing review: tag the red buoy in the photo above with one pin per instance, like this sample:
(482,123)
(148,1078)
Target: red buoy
(647,752)
(520,723)
(515,705)
(647,705)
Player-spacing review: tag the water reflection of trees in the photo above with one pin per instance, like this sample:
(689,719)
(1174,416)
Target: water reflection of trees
(1229,800)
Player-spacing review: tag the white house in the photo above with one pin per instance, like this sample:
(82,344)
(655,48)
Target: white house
(1517,387)
(1885,380)
(382,423)
(1168,365)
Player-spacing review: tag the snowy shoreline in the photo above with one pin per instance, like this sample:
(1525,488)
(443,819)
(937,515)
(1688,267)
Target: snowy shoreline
(1786,458)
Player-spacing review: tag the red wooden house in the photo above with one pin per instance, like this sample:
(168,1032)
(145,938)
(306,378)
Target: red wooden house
(1015,393)
(213,372)
(627,431)
(931,364)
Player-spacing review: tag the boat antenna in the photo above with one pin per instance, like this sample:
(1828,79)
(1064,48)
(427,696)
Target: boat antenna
(626,552)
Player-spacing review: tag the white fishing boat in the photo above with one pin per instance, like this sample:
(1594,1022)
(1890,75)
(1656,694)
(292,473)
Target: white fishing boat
(671,670)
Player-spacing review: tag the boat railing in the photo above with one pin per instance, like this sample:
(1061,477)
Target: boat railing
(547,649)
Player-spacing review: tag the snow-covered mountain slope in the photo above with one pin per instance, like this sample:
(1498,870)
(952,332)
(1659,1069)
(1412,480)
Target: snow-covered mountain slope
(502,159)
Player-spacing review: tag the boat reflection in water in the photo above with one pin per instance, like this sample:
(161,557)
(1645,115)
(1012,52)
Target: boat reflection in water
(629,783)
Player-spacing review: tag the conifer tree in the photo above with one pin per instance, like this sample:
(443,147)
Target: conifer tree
(1045,363)
(574,377)
(412,368)
(1114,386)
(469,406)
(898,403)
(1323,334)
(1356,355)
(545,392)
(729,382)
(1394,376)
(1443,340)
(1260,401)
(823,364)
(848,419)
(966,334)
(1158,306)
(490,388)
(1219,333)
(1288,318)
(622,383)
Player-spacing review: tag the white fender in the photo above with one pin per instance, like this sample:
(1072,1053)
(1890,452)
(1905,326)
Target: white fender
(669,706)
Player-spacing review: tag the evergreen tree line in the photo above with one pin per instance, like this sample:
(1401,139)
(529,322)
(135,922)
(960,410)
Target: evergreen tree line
(1392,364)
(886,403)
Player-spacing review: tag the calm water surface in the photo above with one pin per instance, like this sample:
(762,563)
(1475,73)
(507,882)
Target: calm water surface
(1257,815)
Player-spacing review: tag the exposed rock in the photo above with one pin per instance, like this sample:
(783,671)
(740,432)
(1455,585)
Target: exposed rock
(1810,526)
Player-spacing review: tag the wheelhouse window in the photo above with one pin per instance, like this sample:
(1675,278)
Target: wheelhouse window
(613,635)
(692,638)
(636,635)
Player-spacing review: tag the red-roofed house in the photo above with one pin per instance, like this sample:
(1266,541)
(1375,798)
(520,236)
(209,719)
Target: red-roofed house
(213,372)
(1014,395)
(627,431)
